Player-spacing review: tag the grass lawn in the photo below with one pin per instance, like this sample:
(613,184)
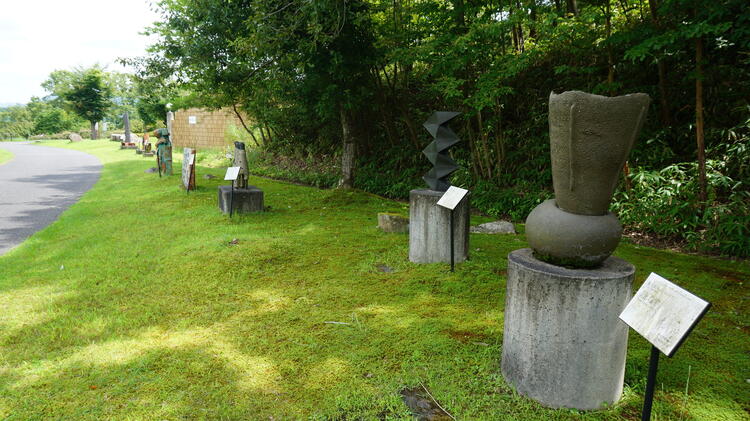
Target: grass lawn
(144,302)
(5,156)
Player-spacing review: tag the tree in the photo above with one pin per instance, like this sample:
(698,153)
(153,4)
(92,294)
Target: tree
(50,117)
(89,97)
(15,121)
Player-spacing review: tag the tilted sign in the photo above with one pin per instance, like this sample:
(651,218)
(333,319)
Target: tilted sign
(452,197)
(188,168)
(232,173)
(664,313)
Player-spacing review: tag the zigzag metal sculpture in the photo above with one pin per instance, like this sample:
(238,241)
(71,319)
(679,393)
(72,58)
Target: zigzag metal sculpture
(437,150)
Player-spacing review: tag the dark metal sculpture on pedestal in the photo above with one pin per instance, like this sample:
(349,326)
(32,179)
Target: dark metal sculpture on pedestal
(437,150)
(433,229)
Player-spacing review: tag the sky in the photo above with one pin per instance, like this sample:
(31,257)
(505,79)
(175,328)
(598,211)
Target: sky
(39,36)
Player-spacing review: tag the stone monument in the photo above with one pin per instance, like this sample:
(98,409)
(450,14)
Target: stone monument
(429,224)
(563,343)
(126,123)
(243,197)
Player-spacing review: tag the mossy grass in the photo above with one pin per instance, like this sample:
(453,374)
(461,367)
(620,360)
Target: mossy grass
(5,156)
(143,302)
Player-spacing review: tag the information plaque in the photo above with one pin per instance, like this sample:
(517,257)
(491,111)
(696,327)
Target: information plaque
(664,313)
(232,173)
(188,169)
(452,197)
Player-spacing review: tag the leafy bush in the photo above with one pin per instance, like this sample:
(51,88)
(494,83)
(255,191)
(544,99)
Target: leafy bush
(665,202)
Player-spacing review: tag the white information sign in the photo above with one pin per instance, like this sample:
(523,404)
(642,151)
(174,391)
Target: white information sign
(452,197)
(192,119)
(664,313)
(232,173)
(188,177)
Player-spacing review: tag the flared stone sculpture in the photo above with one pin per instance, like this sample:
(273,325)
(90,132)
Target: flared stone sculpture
(563,344)
(590,139)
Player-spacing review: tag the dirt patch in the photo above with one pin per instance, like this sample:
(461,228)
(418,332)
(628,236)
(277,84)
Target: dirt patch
(464,336)
(423,406)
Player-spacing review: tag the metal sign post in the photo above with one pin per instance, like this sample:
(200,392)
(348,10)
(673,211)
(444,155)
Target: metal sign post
(648,400)
(664,314)
(450,200)
(231,201)
(231,175)
(453,245)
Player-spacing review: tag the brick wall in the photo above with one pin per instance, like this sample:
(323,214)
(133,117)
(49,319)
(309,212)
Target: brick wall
(209,130)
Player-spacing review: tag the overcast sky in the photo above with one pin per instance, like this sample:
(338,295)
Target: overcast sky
(39,36)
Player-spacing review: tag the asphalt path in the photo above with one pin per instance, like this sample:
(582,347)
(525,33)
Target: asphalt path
(37,185)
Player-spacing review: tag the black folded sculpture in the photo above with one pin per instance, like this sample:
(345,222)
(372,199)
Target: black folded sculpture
(437,150)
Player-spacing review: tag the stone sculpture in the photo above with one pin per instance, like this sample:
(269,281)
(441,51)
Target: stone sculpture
(241,196)
(240,160)
(437,150)
(590,138)
(126,124)
(563,344)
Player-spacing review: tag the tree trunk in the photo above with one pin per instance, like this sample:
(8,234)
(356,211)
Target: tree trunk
(702,196)
(572,7)
(610,57)
(239,116)
(349,151)
(93,131)
(665,116)
(532,17)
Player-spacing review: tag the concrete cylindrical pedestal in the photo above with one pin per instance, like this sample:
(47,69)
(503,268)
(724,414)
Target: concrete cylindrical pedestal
(429,228)
(563,343)
(244,201)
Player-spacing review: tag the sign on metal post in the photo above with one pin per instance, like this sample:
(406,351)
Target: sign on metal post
(452,197)
(664,314)
(450,200)
(231,175)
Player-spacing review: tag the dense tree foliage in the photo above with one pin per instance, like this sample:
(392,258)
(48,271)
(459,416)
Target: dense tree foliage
(293,66)
(112,95)
(89,96)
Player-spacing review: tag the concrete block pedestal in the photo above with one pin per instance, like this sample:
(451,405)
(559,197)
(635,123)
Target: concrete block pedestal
(563,343)
(429,228)
(245,200)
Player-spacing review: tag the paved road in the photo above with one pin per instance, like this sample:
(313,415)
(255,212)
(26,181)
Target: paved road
(37,185)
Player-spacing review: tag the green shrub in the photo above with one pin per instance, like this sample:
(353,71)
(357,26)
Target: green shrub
(665,202)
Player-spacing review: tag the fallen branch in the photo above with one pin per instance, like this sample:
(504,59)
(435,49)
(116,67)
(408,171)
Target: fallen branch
(436,402)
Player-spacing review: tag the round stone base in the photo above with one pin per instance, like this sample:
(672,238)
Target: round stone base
(244,201)
(563,343)
(429,228)
(570,239)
